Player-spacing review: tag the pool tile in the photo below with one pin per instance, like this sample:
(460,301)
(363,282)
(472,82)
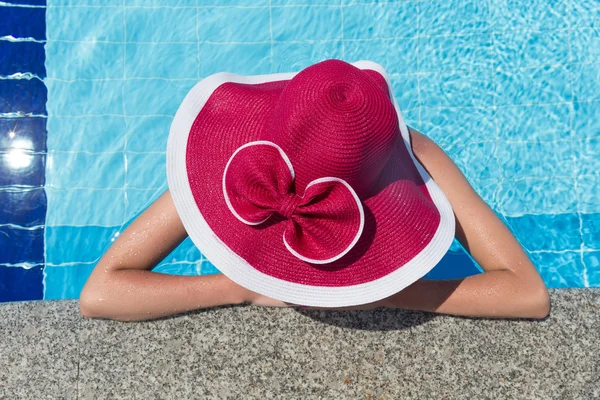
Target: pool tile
(139,199)
(146,170)
(73,98)
(99,134)
(587,193)
(454,265)
(160,24)
(380,21)
(532,85)
(65,281)
(105,24)
(80,207)
(67,170)
(457,89)
(559,270)
(452,17)
(486,189)
(406,91)
(23,207)
(169,3)
(592,263)
(475,160)
(535,159)
(22,168)
(23,96)
(208,268)
(106,3)
(23,22)
(292,57)
(529,48)
(591,230)
(584,13)
(302,23)
(166,96)
(24,133)
(148,134)
(86,60)
(234,24)
(534,122)
(587,154)
(226,57)
(186,251)
(87,244)
(586,82)
(447,126)
(404,60)
(585,121)
(297,2)
(21,57)
(153,60)
(21,245)
(21,284)
(529,14)
(553,195)
(538,232)
(585,45)
(450,53)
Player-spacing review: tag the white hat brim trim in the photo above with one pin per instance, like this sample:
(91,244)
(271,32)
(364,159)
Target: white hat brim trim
(237,269)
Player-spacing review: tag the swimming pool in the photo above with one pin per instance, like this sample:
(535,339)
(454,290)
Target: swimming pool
(88,90)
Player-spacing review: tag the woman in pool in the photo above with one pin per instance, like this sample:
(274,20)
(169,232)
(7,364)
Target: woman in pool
(310,189)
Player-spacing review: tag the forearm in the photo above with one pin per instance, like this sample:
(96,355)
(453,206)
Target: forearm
(493,294)
(133,295)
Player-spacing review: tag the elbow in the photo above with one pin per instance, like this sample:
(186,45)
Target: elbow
(539,304)
(90,303)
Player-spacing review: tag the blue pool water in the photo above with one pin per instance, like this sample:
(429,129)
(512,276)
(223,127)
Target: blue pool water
(510,89)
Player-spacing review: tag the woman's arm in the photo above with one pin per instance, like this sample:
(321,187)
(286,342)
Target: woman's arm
(510,287)
(121,287)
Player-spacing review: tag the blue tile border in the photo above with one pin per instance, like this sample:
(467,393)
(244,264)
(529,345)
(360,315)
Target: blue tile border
(23,202)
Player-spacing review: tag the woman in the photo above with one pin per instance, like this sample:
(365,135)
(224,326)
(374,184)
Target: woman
(121,286)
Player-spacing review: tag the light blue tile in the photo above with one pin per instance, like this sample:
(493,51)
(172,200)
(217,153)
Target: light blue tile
(585,45)
(292,57)
(584,13)
(449,53)
(155,96)
(86,244)
(185,252)
(208,268)
(535,159)
(587,193)
(85,207)
(406,91)
(85,60)
(182,269)
(380,21)
(447,126)
(161,25)
(538,232)
(553,195)
(245,59)
(586,123)
(65,170)
(559,270)
(65,281)
(590,227)
(148,134)
(398,56)
(529,14)
(85,24)
(234,24)
(162,60)
(475,160)
(139,199)
(303,2)
(486,189)
(587,154)
(84,98)
(244,3)
(586,82)
(531,86)
(79,3)
(592,263)
(306,23)
(519,48)
(146,170)
(457,89)
(533,122)
(452,17)
(92,134)
(169,3)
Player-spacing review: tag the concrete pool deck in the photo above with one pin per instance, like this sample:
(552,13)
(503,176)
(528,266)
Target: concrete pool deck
(47,350)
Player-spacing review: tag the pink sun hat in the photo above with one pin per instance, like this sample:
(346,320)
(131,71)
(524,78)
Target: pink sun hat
(303,186)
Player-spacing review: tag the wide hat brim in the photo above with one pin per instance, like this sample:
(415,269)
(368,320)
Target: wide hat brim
(409,223)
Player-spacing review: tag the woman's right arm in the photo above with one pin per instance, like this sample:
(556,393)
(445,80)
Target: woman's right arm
(121,286)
